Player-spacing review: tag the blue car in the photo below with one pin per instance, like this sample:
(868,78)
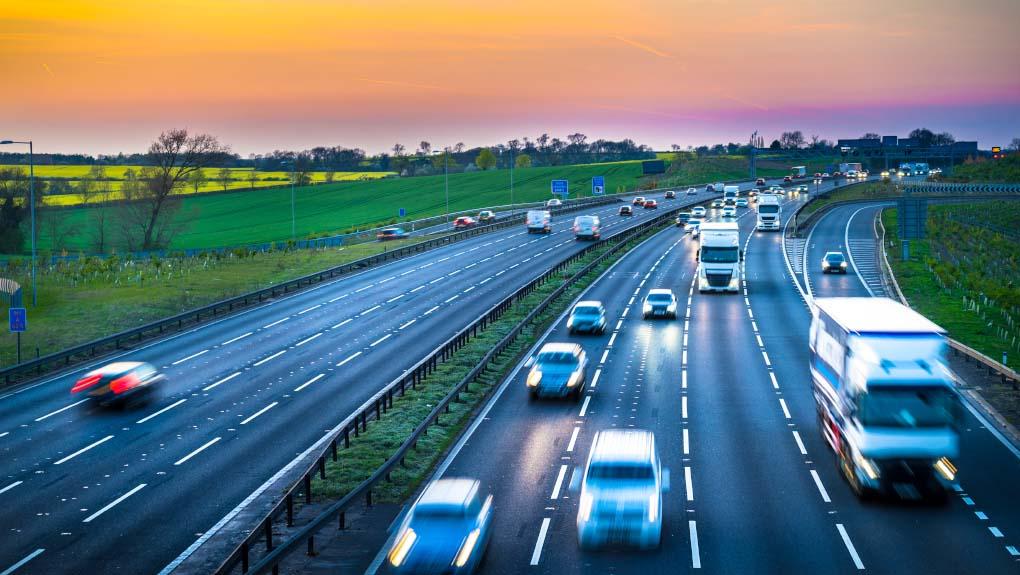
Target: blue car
(446,531)
(587,317)
(558,370)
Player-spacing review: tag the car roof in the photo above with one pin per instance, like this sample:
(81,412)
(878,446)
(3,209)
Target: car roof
(451,493)
(827,254)
(660,291)
(560,348)
(623,445)
(393,229)
(118,367)
(588,302)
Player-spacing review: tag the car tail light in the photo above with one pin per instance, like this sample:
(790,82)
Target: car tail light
(86,382)
(124,383)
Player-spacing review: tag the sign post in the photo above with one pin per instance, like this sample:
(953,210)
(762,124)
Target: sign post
(912,214)
(18,320)
(561,188)
(598,185)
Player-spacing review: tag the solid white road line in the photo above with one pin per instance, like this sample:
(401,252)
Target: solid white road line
(21,563)
(688,484)
(695,551)
(537,553)
(559,482)
(275,323)
(307,339)
(850,546)
(52,413)
(197,451)
(270,358)
(584,406)
(224,380)
(240,337)
(11,486)
(310,382)
(164,410)
(570,446)
(821,488)
(343,323)
(192,356)
(349,358)
(114,503)
(259,412)
(83,450)
(800,444)
(380,340)
(306,310)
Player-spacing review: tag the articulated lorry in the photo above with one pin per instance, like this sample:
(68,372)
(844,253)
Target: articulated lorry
(769,212)
(886,400)
(730,195)
(719,257)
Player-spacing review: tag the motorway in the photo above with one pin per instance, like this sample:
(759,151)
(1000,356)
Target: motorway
(96,490)
(727,391)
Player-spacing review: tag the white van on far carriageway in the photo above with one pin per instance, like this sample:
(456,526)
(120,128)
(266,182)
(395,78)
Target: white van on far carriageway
(538,221)
(587,228)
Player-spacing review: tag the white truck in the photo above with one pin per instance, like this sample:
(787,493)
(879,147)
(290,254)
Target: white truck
(886,400)
(798,171)
(730,195)
(719,257)
(769,212)
(854,167)
(538,221)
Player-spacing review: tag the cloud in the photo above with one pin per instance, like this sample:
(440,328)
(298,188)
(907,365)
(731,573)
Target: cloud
(644,47)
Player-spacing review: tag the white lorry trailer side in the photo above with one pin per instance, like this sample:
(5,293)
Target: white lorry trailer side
(719,257)
(769,212)
(886,401)
(730,195)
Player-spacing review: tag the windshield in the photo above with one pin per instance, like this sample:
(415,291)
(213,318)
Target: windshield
(620,471)
(586,310)
(907,408)
(719,255)
(768,209)
(557,358)
(660,297)
(694,222)
(834,258)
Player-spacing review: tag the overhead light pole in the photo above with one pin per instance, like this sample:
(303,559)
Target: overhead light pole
(31,203)
(446,180)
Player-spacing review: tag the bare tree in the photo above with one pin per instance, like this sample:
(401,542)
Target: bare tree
(252,178)
(870,136)
(330,175)
(398,149)
(458,148)
(424,148)
(174,155)
(197,179)
(1014,145)
(224,177)
(99,213)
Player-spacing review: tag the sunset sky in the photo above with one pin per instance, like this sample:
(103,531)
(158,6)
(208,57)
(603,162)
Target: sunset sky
(108,76)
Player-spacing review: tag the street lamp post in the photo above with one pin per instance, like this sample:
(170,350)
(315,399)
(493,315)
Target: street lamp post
(446,181)
(31,202)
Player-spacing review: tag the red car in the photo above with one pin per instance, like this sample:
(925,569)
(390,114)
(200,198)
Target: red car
(788,178)
(651,204)
(120,383)
(818,175)
(464,222)
(391,234)
(759,182)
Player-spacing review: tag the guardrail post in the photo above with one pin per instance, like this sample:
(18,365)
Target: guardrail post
(290,510)
(347,437)
(341,520)
(368,497)
(333,447)
(269,534)
(308,488)
(322,467)
(311,546)
(244,557)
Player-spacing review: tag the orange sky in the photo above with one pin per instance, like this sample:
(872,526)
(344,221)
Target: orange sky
(103,76)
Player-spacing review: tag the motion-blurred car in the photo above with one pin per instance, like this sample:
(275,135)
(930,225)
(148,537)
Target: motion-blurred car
(699,211)
(553,203)
(833,262)
(464,222)
(716,204)
(659,302)
(693,227)
(802,189)
(682,218)
(587,317)
(752,192)
(621,491)
(651,205)
(825,175)
(391,234)
(669,195)
(587,228)
(787,178)
(759,182)
(446,531)
(837,174)
(120,383)
(538,221)
(741,202)
(638,201)
(710,188)
(692,191)
(729,212)
(626,211)
(780,190)
(558,370)
(718,186)
(486,216)
(885,174)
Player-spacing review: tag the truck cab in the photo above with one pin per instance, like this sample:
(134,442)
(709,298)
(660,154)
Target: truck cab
(719,257)
(769,212)
(730,195)
(885,399)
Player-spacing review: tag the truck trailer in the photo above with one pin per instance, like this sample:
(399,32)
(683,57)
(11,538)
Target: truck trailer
(885,398)
(719,257)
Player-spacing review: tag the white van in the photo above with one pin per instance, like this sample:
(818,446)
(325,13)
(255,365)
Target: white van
(538,221)
(587,227)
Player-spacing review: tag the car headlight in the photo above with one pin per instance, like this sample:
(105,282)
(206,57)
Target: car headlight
(574,378)
(671,307)
(584,509)
(570,321)
(403,547)
(534,378)
(647,308)
(945,468)
(842,264)
(867,465)
(653,507)
(467,548)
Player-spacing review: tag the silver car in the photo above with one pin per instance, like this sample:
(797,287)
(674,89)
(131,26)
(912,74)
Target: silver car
(659,303)
(558,370)
(699,211)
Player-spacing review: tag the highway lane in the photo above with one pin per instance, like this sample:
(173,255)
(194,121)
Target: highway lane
(159,463)
(977,531)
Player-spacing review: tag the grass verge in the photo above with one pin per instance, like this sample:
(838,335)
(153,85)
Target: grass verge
(869,191)
(368,452)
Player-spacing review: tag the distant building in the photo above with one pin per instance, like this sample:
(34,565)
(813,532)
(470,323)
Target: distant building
(895,144)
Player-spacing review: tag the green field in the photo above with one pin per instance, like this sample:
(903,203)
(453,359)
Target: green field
(1002,170)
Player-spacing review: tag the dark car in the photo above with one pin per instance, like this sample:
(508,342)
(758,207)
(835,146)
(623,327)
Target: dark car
(834,262)
(446,531)
(682,218)
(787,178)
(464,222)
(626,211)
(120,383)
(651,205)
(670,195)
(587,317)
(486,216)
(759,182)
(391,234)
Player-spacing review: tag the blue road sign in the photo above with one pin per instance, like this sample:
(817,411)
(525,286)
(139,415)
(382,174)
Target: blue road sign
(598,185)
(560,188)
(18,318)
(403,212)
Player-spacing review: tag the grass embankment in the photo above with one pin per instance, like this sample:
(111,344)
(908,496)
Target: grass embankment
(368,452)
(1002,170)
(84,300)
(966,277)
